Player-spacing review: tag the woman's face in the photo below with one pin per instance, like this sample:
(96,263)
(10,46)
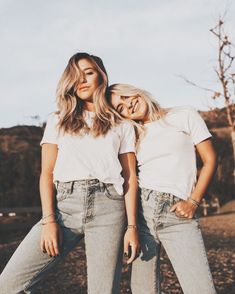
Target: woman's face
(89,80)
(130,107)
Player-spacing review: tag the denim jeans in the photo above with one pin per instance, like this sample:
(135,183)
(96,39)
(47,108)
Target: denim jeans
(86,209)
(182,240)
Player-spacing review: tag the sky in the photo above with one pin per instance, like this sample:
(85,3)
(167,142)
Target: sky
(148,44)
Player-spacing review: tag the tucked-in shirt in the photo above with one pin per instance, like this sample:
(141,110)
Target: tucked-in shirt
(87,157)
(166,155)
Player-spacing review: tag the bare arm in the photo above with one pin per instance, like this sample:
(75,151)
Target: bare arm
(208,156)
(48,159)
(128,162)
(207,153)
(51,234)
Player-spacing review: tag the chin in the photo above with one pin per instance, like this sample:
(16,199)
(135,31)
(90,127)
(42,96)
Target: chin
(85,98)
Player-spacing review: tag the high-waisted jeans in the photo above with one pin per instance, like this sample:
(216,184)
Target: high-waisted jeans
(182,240)
(86,209)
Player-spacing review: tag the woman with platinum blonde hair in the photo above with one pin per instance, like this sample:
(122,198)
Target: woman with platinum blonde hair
(169,191)
(87,185)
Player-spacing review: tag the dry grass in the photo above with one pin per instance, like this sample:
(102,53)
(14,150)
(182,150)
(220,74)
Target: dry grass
(70,275)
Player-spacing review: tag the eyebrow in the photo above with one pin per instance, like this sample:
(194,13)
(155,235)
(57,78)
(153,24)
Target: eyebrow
(88,68)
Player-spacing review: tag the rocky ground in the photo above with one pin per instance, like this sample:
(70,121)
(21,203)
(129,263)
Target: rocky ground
(70,276)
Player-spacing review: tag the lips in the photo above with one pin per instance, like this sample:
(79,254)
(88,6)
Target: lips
(83,88)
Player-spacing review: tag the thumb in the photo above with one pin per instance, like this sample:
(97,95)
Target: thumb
(126,247)
(173,208)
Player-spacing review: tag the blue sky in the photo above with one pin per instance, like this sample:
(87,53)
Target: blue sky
(144,43)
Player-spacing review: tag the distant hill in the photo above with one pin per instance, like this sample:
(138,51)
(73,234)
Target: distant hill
(19,166)
(222,185)
(20,162)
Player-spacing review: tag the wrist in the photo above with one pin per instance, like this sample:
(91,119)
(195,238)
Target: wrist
(193,201)
(131,227)
(47,215)
(49,222)
(49,218)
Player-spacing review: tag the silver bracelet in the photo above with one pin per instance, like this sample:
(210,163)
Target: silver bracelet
(131,227)
(51,222)
(193,201)
(48,215)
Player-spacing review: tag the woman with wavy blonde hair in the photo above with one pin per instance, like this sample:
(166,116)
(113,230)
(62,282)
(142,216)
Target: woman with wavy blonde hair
(169,191)
(88,157)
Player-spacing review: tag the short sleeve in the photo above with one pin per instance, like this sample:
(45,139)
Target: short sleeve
(197,127)
(51,131)
(127,138)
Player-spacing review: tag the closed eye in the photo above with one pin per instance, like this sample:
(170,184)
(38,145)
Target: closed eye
(89,73)
(120,108)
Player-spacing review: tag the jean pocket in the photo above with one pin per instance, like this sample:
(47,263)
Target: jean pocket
(177,200)
(145,193)
(111,192)
(62,191)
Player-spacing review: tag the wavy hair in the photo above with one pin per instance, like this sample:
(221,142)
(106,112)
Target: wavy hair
(154,109)
(71,107)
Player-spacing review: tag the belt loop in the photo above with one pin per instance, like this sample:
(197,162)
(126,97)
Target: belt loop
(71,187)
(56,184)
(102,186)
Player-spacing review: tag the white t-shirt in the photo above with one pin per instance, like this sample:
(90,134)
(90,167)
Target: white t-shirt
(166,155)
(87,157)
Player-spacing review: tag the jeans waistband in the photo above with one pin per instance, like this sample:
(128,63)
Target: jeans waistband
(69,186)
(161,196)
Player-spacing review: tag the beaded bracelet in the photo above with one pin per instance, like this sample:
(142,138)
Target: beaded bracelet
(193,201)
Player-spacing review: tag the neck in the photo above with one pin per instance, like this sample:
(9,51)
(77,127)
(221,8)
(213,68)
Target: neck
(89,106)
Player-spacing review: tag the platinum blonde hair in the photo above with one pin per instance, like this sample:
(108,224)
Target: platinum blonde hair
(155,111)
(71,107)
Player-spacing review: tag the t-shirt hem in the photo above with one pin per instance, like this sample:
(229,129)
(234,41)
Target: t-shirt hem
(127,151)
(48,142)
(202,139)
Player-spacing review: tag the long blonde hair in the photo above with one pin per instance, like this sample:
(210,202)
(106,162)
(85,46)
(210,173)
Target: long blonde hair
(71,107)
(154,109)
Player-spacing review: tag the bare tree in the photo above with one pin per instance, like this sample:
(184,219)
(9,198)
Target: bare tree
(225,72)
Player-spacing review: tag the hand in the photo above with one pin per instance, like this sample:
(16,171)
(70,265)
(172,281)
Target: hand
(51,239)
(131,242)
(184,209)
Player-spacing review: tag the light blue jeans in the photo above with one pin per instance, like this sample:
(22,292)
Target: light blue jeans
(182,241)
(86,208)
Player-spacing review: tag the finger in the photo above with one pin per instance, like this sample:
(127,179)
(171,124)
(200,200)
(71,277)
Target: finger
(48,247)
(52,248)
(56,247)
(133,254)
(173,208)
(126,245)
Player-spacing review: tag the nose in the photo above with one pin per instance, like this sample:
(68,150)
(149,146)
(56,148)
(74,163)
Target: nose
(83,78)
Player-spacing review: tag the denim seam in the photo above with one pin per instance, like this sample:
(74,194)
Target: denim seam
(90,206)
(27,286)
(206,259)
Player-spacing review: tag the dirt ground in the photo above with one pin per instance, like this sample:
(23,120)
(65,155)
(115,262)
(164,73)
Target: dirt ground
(70,275)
